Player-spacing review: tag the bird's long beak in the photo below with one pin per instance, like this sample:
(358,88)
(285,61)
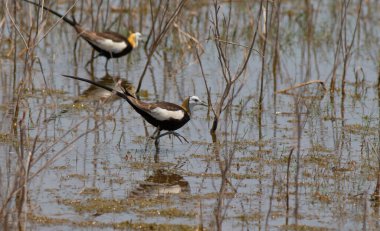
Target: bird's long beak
(204,104)
(142,38)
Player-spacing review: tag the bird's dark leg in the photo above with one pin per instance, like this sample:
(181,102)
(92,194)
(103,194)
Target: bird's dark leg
(156,133)
(106,66)
(156,155)
(156,139)
(108,58)
(179,136)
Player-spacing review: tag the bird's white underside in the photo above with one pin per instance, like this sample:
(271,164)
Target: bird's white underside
(111,46)
(163,114)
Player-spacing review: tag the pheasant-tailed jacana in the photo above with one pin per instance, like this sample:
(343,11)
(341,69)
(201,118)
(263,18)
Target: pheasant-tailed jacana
(163,115)
(109,44)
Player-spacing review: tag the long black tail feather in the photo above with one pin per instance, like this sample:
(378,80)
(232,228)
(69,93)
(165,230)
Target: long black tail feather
(66,19)
(123,94)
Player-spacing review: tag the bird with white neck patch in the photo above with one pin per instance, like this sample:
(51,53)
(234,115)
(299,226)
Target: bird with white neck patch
(109,44)
(162,115)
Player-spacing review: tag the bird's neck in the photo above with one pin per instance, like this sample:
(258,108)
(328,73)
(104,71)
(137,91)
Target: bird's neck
(132,40)
(186,105)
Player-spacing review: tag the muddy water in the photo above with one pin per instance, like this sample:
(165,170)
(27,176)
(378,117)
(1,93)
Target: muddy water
(308,161)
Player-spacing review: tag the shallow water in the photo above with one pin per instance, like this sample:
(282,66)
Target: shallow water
(96,169)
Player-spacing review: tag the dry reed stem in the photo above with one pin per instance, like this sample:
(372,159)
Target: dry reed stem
(15,25)
(206,85)
(192,38)
(285,91)
(230,79)
(54,25)
(158,39)
(236,44)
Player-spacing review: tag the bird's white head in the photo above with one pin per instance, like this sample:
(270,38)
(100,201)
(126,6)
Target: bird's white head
(193,101)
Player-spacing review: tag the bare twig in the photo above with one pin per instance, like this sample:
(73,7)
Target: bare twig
(158,39)
(228,77)
(321,82)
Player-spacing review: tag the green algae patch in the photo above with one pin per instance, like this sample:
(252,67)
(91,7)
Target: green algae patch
(324,198)
(204,175)
(358,129)
(169,212)
(238,176)
(250,217)
(320,160)
(303,228)
(49,221)
(59,168)
(75,176)
(254,143)
(90,191)
(320,148)
(102,205)
(153,226)
(204,157)
(6,138)
(97,205)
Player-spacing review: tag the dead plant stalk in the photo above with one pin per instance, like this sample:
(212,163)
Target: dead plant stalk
(163,26)
(223,58)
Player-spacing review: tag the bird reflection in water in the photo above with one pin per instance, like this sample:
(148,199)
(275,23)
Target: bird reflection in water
(163,182)
(95,94)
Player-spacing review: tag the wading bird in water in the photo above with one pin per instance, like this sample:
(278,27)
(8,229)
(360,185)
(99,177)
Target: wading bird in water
(109,44)
(162,115)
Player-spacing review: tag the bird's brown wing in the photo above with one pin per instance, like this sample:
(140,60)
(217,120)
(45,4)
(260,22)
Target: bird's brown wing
(104,41)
